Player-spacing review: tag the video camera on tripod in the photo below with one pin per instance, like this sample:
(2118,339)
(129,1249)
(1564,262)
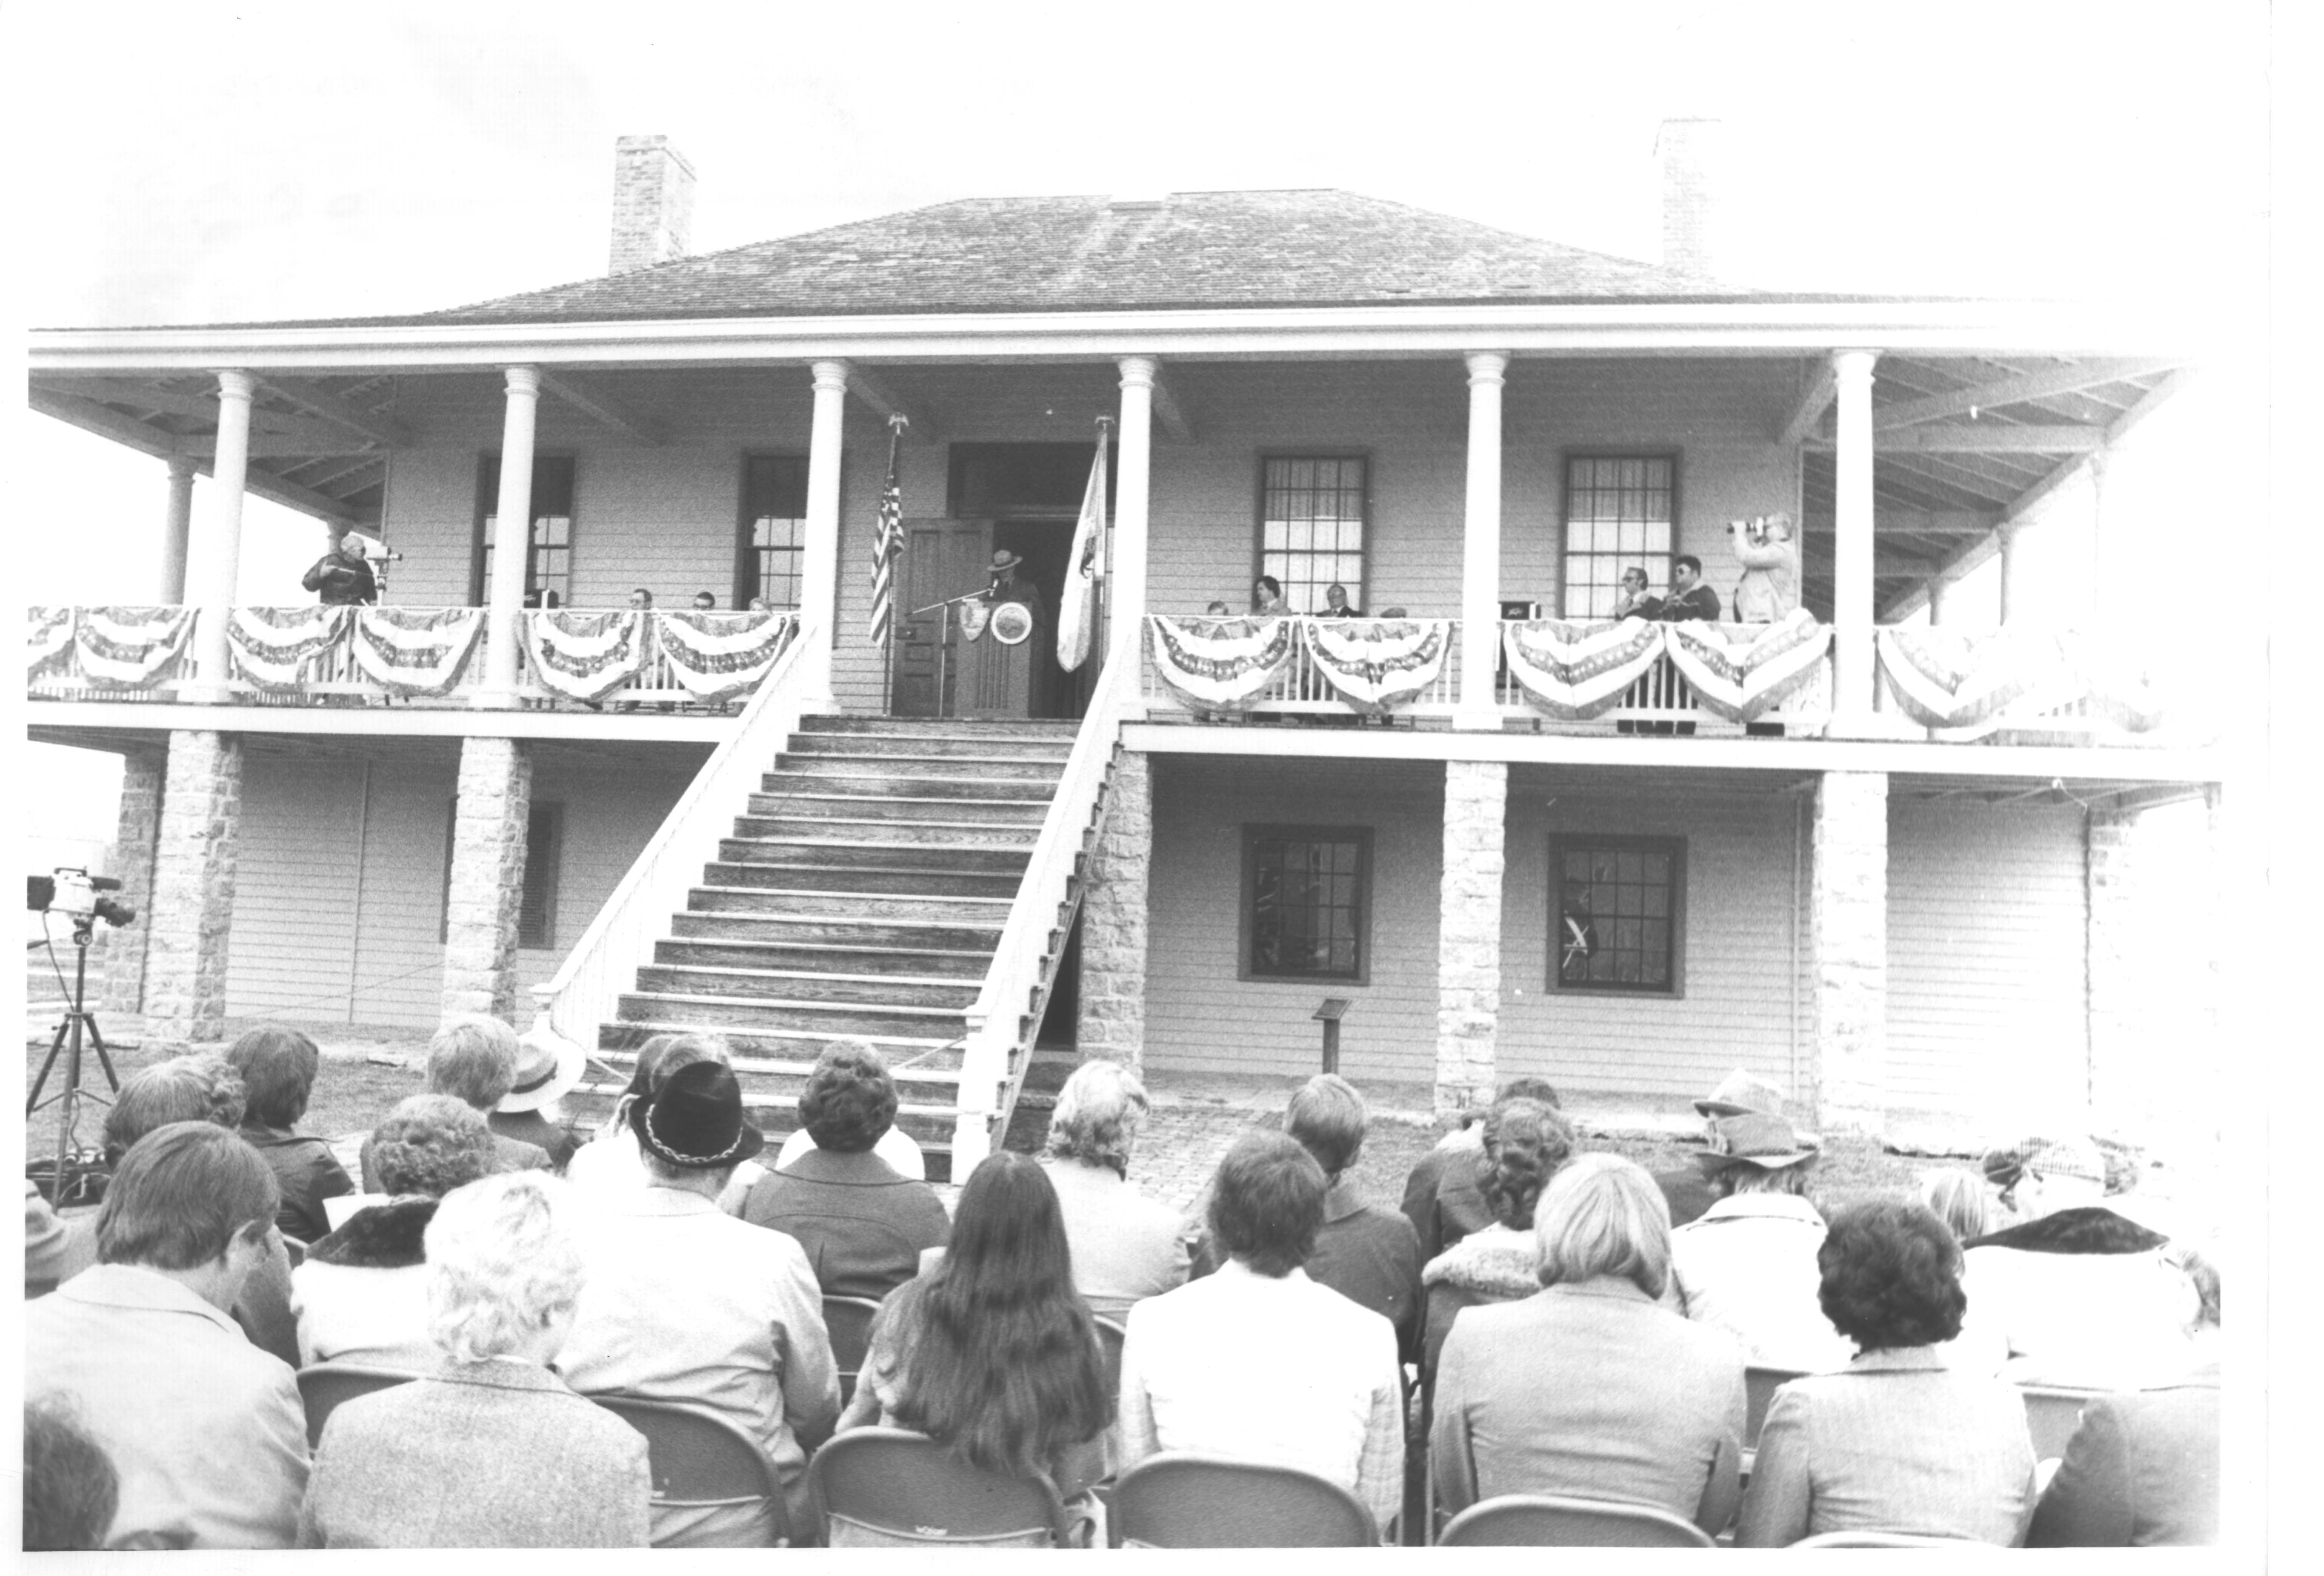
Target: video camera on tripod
(70,890)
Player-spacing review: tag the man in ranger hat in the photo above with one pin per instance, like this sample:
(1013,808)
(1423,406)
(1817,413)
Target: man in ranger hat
(1749,1264)
(547,1065)
(1686,1188)
(685,1303)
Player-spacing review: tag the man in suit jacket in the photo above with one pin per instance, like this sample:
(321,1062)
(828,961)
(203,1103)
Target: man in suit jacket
(2142,1469)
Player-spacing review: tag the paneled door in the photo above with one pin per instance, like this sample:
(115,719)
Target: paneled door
(942,558)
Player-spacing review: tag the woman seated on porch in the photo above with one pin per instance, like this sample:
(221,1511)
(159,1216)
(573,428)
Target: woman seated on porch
(992,1352)
(362,1294)
(1525,1141)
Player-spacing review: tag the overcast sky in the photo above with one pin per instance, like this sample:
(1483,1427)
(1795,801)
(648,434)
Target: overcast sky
(198,161)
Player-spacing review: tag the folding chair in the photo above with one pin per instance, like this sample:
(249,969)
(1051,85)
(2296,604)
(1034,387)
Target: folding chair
(702,1461)
(323,1386)
(890,1487)
(1110,1336)
(1555,1521)
(1867,1538)
(1183,1501)
(2052,1415)
(849,1321)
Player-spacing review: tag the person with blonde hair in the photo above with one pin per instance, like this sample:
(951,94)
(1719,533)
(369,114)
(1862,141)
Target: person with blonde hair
(474,1058)
(1749,1265)
(1590,1388)
(362,1294)
(1959,1197)
(1126,1246)
(491,1449)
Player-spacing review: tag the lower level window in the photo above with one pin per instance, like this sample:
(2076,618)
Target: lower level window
(1618,908)
(1307,902)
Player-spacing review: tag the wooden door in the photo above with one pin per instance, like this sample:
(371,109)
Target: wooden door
(942,558)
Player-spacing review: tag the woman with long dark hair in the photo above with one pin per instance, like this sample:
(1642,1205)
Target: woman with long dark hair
(992,1352)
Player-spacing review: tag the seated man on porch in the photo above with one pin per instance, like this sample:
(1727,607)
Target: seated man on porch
(1690,598)
(1635,601)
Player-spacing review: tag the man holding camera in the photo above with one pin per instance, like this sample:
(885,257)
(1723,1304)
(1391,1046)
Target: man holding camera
(342,577)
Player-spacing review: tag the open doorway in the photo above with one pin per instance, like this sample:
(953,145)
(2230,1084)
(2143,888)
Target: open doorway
(1032,494)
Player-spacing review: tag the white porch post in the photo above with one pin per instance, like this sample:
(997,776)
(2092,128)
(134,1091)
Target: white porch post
(1938,585)
(1131,507)
(820,562)
(218,560)
(2012,593)
(2104,561)
(177,530)
(1481,543)
(1851,577)
(512,537)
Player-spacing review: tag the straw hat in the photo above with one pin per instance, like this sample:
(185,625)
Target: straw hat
(1753,1138)
(1741,1092)
(547,1065)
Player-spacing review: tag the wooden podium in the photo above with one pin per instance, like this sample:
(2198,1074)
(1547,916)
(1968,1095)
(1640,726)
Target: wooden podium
(999,681)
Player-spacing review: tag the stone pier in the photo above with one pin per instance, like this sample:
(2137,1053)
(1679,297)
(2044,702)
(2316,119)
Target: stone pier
(136,839)
(192,908)
(487,894)
(1468,934)
(1850,927)
(1113,1016)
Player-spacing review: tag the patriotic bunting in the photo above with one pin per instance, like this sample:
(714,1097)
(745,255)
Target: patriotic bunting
(129,648)
(1741,671)
(585,656)
(716,656)
(1576,669)
(410,652)
(1375,663)
(50,645)
(1969,679)
(1221,664)
(2118,688)
(281,648)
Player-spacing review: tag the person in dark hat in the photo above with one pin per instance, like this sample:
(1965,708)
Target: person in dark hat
(685,1303)
(1749,1265)
(1011,585)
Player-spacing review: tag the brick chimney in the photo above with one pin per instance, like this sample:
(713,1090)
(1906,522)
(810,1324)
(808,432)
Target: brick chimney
(1692,154)
(653,203)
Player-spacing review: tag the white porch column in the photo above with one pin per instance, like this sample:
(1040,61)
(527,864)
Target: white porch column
(217,560)
(2012,593)
(1131,506)
(1481,543)
(1851,576)
(1938,587)
(819,562)
(512,537)
(177,531)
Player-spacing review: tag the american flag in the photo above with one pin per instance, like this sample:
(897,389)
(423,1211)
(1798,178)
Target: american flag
(888,542)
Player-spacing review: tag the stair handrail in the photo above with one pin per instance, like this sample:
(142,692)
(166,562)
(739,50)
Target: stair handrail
(995,1020)
(588,988)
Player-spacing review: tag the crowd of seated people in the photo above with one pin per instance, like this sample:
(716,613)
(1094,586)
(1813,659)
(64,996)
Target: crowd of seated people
(1559,1335)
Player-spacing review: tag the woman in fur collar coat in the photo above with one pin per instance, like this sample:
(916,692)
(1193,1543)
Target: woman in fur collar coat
(1525,1141)
(360,1295)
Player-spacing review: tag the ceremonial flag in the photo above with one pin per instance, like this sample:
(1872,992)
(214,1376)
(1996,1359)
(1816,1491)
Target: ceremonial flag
(1077,614)
(888,541)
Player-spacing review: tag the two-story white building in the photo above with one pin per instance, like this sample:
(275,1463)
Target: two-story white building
(1877,863)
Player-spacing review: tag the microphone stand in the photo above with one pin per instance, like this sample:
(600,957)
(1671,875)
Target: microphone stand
(944,639)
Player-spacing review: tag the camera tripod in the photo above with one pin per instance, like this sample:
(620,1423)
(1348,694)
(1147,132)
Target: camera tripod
(78,1022)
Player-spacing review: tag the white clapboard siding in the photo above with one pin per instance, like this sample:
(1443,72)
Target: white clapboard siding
(1740,1000)
(1201,1018)
(664,516)
(292,947)
(1986,954)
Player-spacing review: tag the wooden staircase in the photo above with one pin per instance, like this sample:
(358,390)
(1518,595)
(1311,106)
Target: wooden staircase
(863,894)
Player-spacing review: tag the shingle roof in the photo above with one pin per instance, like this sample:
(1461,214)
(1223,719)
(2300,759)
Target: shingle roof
(1051,253)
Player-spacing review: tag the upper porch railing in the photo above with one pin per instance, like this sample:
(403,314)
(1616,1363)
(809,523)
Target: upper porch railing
(567,660)
(1950,685)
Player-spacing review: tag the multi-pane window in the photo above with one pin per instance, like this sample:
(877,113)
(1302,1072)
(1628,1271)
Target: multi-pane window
(548,567)
(1617,516)
(1616,912)
(1307,891)
(773,538)
(1312,527)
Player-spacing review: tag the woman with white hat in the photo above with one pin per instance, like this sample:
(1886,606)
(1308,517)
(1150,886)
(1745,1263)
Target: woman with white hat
(547,1065)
